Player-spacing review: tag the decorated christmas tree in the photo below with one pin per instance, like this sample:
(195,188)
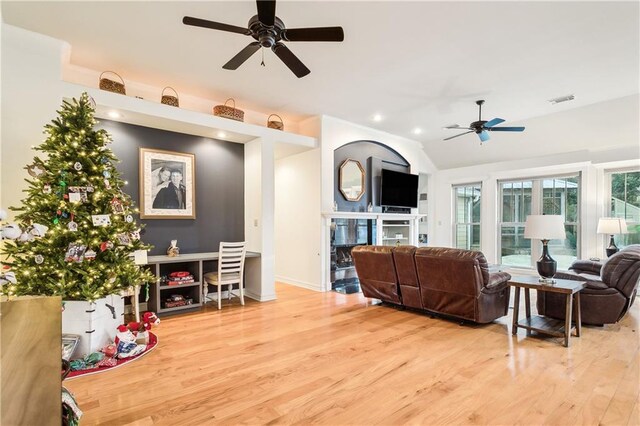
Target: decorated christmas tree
(75,232)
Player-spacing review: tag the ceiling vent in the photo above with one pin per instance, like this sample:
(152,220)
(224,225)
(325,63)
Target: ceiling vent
(562,99)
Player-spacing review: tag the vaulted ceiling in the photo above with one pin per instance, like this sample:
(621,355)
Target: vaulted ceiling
(417,64)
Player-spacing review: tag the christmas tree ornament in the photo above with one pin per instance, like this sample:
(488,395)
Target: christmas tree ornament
(106,174)
(116,206)
(106,245)
(77,166)
(62,183)
(123,239)
(100,219)
(128,218)
(35,171)
(25,237)
(135,235)
(38,230)
(107,184)
(75,252)
(72,226)
(11,231)
(46,189)
(89,188)
(90,255)
(39,259)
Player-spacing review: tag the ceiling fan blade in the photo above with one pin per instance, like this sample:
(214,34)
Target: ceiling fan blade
(242,56)
(290,60)
(197,22)
(451,137)
(266,11)
(507,129)
(457,126)
(314,34)
(493,122)
(484,136)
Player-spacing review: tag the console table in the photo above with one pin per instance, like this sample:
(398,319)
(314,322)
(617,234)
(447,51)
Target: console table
(571,289)
(197,264)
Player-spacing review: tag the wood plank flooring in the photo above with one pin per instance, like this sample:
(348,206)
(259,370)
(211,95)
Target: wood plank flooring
(329,358)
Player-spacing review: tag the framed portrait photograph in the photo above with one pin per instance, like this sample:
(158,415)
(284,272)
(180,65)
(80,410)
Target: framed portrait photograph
(167,184)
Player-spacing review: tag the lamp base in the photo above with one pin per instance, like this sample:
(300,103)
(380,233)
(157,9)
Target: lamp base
(546,266)
(612,249)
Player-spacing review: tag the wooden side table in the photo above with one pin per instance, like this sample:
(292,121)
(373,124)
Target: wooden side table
(541,324)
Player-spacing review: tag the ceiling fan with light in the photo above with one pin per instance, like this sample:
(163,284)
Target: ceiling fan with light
(269,31)
(482,127)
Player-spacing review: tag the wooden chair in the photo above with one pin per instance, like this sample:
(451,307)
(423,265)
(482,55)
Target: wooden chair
(230,271)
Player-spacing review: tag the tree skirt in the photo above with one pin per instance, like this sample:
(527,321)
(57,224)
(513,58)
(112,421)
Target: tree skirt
(153,342)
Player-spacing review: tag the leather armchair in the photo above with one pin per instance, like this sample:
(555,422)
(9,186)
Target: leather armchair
(611,288)
(457,282)
(377,273)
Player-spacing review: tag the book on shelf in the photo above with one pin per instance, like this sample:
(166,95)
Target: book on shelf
(191,281)
(176,303)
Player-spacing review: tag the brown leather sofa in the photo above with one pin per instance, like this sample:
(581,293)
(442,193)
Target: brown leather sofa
(610,292)
(441,280)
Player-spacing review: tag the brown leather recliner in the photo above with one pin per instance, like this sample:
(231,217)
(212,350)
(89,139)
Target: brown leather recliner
(610,292)
(457,282)
(377,272)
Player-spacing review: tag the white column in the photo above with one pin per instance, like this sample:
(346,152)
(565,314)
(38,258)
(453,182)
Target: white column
(259,215)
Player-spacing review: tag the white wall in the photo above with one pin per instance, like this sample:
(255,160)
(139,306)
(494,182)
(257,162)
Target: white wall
(297,220)
(31,87)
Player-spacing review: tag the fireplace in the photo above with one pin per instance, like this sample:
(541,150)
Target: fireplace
(345,235)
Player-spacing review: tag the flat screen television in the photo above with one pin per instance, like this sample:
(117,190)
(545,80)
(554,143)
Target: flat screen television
(398,189)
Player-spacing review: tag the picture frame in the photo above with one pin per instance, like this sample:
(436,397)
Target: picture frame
(167,184)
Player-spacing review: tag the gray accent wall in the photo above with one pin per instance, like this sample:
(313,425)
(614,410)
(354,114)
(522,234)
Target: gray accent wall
(373,156)
(219,181)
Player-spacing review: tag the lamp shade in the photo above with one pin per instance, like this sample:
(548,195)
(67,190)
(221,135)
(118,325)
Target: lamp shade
(611,226)
(544,227)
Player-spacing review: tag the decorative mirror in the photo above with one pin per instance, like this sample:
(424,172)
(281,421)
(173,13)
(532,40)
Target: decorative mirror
(351,180)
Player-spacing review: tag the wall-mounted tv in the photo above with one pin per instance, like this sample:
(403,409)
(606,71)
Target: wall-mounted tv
(398,189)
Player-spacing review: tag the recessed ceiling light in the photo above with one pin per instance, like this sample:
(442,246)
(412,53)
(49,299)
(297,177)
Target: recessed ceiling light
(417,131)
(114,114)
(222,135)
(377,117)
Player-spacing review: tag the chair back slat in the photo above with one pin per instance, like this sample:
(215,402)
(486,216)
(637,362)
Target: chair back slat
(231,257)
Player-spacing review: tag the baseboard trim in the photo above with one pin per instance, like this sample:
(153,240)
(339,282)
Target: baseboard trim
(297,283)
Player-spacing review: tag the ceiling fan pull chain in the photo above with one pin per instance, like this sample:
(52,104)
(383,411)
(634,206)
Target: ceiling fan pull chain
(262,63)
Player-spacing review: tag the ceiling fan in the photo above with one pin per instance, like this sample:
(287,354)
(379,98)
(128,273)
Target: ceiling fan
(269,31)
(482,127)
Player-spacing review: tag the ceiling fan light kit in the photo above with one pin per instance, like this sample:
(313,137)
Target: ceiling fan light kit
(482,127)
(269,32)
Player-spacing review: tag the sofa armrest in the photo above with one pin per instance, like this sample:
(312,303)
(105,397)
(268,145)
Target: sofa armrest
(497,282)
(588,266)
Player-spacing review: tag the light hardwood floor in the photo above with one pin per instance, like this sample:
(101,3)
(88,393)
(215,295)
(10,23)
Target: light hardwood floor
(336,359)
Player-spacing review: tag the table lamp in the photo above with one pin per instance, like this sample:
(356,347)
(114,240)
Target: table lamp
(611,226)
(545,228)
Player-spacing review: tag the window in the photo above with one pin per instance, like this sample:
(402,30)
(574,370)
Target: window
(467,216)
(550,195)
(625,203)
